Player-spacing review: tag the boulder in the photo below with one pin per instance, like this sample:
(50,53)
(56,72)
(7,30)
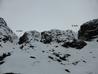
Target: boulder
(78,44)
(88,30)
(23,39)
(58,36)
(46,37)
(29,36)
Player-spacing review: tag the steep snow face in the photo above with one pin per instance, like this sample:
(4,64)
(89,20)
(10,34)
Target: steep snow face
(6,33)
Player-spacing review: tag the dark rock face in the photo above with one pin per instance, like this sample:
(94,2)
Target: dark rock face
(46,37)
(88,30)
(7,38)
(78,44)
(67,70)
(3,56)
(23,39)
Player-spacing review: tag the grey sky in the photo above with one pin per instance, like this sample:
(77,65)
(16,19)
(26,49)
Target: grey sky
(47,14)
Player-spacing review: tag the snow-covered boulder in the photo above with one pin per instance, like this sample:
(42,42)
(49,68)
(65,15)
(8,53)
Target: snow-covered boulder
(53,35)
(58,36)
(30,36)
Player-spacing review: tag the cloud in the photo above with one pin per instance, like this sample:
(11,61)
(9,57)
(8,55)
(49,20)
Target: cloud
(1,2)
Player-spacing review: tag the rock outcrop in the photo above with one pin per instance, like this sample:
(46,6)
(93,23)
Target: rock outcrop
(48,36)
(29,36)
(88,30)
(57,36)
(6,34)
(78,44)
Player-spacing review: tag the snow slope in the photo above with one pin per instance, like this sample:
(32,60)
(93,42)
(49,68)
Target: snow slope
(37,60)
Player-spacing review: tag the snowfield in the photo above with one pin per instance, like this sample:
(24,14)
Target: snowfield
(37,61)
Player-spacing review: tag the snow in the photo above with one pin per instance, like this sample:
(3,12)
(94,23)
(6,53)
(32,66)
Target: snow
(20,61)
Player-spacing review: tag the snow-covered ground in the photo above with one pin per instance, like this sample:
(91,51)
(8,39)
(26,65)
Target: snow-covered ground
(35,57)
(37,61)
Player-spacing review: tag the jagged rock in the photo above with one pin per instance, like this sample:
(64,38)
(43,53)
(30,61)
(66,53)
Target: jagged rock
(6,34)
(2,22)
(46,37)
(88,30)
(78,44)
(23,39)
(57,36)
(4,55)
(29,36)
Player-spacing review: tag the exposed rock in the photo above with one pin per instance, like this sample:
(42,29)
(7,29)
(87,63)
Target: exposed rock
(46,37)
(1,62)
(57,36)
(78,44)
(33,57)
(2,57)
(88,30)
(2,22)
(6,34)
(29,36)
(23,39)
(97,40)
(51,57)
(75,63)
(11,73)
(67,70)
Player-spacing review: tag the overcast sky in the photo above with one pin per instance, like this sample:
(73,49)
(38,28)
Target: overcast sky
(47,14)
